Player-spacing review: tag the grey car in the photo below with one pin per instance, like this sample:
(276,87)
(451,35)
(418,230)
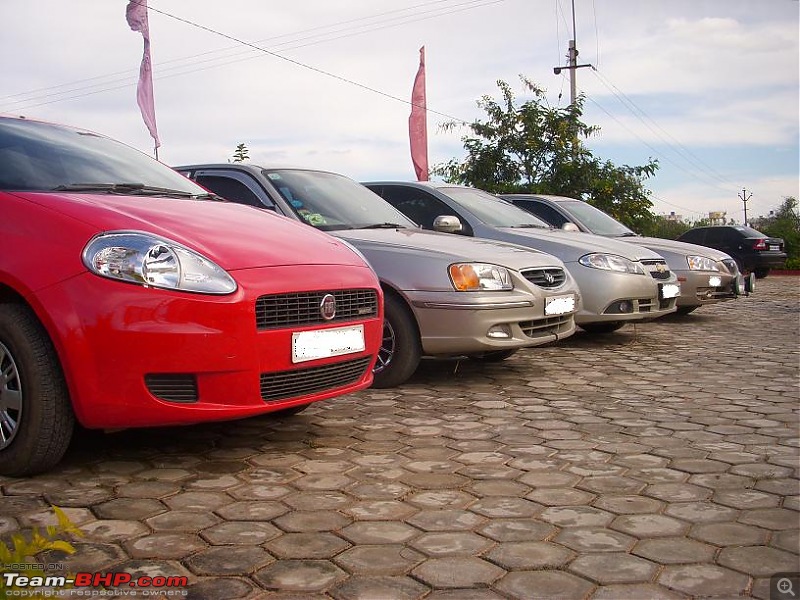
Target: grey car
(443,296)
(619,282)
(707,276)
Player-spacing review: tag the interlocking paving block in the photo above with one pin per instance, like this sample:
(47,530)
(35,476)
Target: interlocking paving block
(576,516)
(380,510)
(379,532)
(387,559)
(560,496)
(638,591)
(307,545)
(529,555)
(677,550)
(555,479)
(359,587)
(746,499)
(776,519)
(759,561)
(613,567)
(514,530)
(299,575)
(182,520)
(498,488)
(88,556)
(251,511)
(646,526)
(451,544)
(220,587)
(46,517)
(165,545)
(786,540)
(595,539)
(722,481)
(79,496)
(678,492)
(260,491)
(729,534)
(240,533)
(317,501)
(761,470)
(305,521)
(629,505)
(701,512)
(129,508)
(197,501)
(505,507)
(434,481)
(234,560)
(612,484)
(456,572)
(378,490)
(786,486)
(446,520)
(544,585)
(147,489)
(704,580)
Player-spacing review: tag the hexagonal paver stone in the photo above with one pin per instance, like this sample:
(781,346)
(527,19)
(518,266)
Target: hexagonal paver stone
(446,520)
(322,481)
(451,543)
(543,585)
(181,520)
(629,505)
(673,551)
(457,572)
(729,534)
(112,530)
(557,479)
(646,526)
(529,555)
(323,466)
(197,501)
(380,510)
(576,516)
(307,545)
(746,499)
(761,471)
(87,557)
(396,588)
(722,481)
(499,488)
(220,587)
(636,591)
(379,532)
(678,492)
(78,496)
(613,567)
(786,540)
(612,484)
(700,465)
(378,490)
(259,491)
(441,499)
(299,575)
(560,497)
(252,511)
(701,512)
(776,519)
(434,481)
(499,507)
(235,560)
(595,539)
(517,530)
(704,580)
(317,501)
(788,486)
(147,489)
(759,561)
(305,521)
(388,559)
(129,508)
(165,546)
(240,533)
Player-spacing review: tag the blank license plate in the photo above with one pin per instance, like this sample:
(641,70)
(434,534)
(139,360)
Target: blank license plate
(559,305)
(324,343)
(670,290)
(773,247)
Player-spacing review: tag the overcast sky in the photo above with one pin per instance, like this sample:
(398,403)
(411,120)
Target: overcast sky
(707,87)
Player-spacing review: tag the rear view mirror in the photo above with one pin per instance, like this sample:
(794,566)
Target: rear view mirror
(447,224)
(568,226)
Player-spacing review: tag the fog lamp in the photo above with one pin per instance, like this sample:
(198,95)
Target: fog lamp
(714,281)
(499,332)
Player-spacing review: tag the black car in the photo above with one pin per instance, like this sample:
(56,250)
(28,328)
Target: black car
(752,250)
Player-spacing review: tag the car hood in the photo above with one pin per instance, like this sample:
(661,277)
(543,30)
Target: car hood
(679,247)
(570,246)
(447,246)
(232,235)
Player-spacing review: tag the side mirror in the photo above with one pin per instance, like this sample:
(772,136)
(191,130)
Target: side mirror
(447,224)
(569,226)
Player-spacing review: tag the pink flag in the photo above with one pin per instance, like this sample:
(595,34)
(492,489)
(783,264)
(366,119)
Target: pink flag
(136,15)
(418,122)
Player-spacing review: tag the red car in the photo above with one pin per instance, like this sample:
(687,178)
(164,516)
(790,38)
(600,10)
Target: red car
(131,297)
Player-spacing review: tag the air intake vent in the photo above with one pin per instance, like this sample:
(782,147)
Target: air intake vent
(300,382)
(288,310)
(173,387)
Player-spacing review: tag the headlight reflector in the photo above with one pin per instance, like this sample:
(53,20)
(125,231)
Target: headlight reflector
(701,263)
(472,277)
(611,262)
(151,261)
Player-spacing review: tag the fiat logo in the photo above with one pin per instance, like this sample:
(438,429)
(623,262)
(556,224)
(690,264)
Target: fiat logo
(327,307)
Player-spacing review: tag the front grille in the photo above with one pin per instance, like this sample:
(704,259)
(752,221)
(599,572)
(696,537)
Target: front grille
(657,268)
(303,308)
(174,387)
(547,327)
(545,278)
(311,380)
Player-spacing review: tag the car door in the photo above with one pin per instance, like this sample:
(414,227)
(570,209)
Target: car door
(419,205)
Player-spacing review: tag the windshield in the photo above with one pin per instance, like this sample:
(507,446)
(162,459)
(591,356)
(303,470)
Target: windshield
(330,201)
(492,210)
(43,157)
(595,219)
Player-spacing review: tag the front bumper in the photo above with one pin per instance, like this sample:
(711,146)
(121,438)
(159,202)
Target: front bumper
(134,356)
(705,287)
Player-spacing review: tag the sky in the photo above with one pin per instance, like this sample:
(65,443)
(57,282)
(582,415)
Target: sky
(709,88)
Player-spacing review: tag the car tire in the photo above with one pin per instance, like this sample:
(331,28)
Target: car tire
(602,328)
(761,273)
(685,310)
(495,356)
(401,349)
(35,410)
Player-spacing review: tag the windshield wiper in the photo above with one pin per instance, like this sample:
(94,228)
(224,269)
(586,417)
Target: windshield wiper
(383,226)
(529,226)
(132,188)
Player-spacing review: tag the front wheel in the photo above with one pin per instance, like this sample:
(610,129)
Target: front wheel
(603,327)
(401,349)
(36,419)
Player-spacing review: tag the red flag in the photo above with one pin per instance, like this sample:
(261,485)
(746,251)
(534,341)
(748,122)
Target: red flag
(418,122)
(136,15)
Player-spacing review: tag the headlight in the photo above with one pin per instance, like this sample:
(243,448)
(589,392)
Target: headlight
(611,262)
(471,277)
(151,261)
(701,263)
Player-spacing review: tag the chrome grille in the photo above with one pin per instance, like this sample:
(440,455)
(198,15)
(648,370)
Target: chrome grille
(547,327)
(174,387)
(312,380)
(657,268)
(545,278)
(303,308)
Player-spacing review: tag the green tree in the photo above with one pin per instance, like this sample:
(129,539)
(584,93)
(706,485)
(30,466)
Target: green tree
(785,223)
(241,153)
(534,148)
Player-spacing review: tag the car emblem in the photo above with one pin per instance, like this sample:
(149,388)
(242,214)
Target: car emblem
(549,278)
(327,307)
(660,268)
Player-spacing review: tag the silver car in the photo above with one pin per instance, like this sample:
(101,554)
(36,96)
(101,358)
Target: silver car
(444,296)
(619,282)
(707,276)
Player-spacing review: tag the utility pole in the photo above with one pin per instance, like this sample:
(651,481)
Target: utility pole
(572,62)
(744,197)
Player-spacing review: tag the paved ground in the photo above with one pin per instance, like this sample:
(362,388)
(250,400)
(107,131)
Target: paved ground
(660,462)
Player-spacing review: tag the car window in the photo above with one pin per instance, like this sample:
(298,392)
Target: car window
(543,211)
(492,210)
(230,189)
(595,219)
(417,204)
(693,235)
(718,235)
